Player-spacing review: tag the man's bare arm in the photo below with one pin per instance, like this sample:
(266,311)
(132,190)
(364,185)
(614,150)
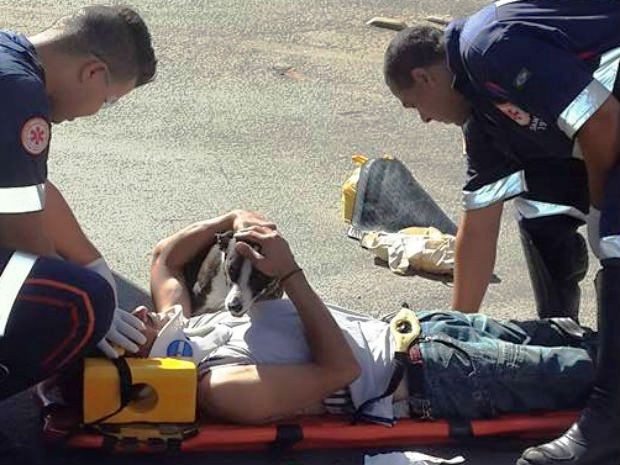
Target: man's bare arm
(25,232)
(476,244)
(255,394)
(64,231)
(599,139)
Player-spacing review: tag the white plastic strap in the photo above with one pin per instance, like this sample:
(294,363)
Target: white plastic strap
(11,281)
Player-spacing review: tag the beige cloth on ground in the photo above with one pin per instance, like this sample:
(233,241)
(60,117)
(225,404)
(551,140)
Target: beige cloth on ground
(422,249)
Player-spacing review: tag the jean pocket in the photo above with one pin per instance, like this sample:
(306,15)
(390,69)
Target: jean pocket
(456,359)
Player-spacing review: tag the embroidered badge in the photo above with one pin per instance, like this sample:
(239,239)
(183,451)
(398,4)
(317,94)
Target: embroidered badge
(537,124)
(522,78)
(515,113)
(35,135)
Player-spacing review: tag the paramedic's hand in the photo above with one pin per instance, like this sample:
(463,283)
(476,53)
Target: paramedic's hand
(245,219)
(274,257)
(125,331)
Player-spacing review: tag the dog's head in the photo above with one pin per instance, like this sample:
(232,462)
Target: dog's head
(246,284)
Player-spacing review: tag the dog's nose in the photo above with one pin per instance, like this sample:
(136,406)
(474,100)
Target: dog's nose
(235,306)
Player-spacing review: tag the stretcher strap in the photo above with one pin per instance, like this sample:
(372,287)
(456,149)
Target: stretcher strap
(286,437)
(461,429)
(126,386)
(399,364)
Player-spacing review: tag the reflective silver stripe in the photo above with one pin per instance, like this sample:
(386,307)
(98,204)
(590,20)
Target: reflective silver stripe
(505,2)
(593,96)
(505,188)
(582,108)
(12,278)
(577,153)
(534,209)
(608,68)
(610,247)
(22,199)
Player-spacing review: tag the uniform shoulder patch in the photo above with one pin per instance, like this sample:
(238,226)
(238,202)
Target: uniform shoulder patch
(35,135)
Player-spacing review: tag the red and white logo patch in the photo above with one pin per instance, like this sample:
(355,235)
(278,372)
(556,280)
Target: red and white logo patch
(522,118)
(35,135)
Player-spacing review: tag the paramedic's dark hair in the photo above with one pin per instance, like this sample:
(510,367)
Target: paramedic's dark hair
(413,47)
(116,35)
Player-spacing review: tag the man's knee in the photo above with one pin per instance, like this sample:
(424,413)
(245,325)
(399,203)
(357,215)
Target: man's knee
(100,304)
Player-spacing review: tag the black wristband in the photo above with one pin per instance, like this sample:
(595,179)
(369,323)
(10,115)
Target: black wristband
(289,274)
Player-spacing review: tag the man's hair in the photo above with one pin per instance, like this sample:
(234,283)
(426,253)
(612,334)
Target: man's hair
(413,47)
(116,35)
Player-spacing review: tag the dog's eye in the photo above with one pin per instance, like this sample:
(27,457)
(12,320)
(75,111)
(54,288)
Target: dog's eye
(259,280)
(234,269)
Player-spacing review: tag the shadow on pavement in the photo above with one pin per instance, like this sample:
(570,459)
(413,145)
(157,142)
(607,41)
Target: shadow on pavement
(130,295)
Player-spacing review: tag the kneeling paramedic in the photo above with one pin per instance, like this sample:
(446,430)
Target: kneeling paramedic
(57,295)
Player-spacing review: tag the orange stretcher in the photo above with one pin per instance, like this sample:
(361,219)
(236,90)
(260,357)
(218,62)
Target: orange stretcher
(164,418)
(322,432)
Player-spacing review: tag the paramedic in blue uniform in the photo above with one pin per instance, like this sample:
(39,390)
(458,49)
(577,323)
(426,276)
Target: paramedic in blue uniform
(534,86)
(57,295)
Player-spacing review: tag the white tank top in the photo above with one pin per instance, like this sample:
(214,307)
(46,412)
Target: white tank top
(273,334)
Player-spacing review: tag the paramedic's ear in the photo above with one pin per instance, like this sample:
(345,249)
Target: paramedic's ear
(421,76)
(223,240)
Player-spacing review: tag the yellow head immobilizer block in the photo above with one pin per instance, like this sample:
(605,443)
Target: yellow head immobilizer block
(167,388)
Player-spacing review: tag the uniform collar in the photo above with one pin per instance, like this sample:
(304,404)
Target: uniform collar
(452,37)
(19,43)
(32,52)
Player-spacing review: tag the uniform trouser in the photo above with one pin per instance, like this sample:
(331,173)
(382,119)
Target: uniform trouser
(52,313)
(557,260)
(549,215)
(477,367)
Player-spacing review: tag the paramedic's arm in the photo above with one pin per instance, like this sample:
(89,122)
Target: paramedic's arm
(25,232)
(168,286)
(599,139)
(64,231)
(476,243)
(260,393)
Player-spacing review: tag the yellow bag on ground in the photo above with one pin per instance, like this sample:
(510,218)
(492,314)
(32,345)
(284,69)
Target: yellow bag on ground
(421,249)
(349,188)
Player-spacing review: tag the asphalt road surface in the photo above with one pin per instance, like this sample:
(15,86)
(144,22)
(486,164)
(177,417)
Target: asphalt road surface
(260,104)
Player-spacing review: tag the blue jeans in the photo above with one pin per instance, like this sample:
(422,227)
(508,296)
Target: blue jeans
(477,367)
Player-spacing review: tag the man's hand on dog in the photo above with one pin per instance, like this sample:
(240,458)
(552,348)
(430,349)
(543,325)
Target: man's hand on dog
(274,257)
(245,219)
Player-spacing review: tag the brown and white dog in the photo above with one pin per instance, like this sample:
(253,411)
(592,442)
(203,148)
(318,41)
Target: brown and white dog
(220,278)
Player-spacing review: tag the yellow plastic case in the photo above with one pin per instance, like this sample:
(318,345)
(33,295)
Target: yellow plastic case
(167,395)
(349,188)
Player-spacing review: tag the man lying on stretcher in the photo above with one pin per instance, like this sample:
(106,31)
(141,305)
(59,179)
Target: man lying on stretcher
(296,355)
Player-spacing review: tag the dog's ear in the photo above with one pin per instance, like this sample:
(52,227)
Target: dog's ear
(224,239)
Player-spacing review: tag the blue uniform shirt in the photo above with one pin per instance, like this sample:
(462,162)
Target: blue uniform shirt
(24,126)
(534,72)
